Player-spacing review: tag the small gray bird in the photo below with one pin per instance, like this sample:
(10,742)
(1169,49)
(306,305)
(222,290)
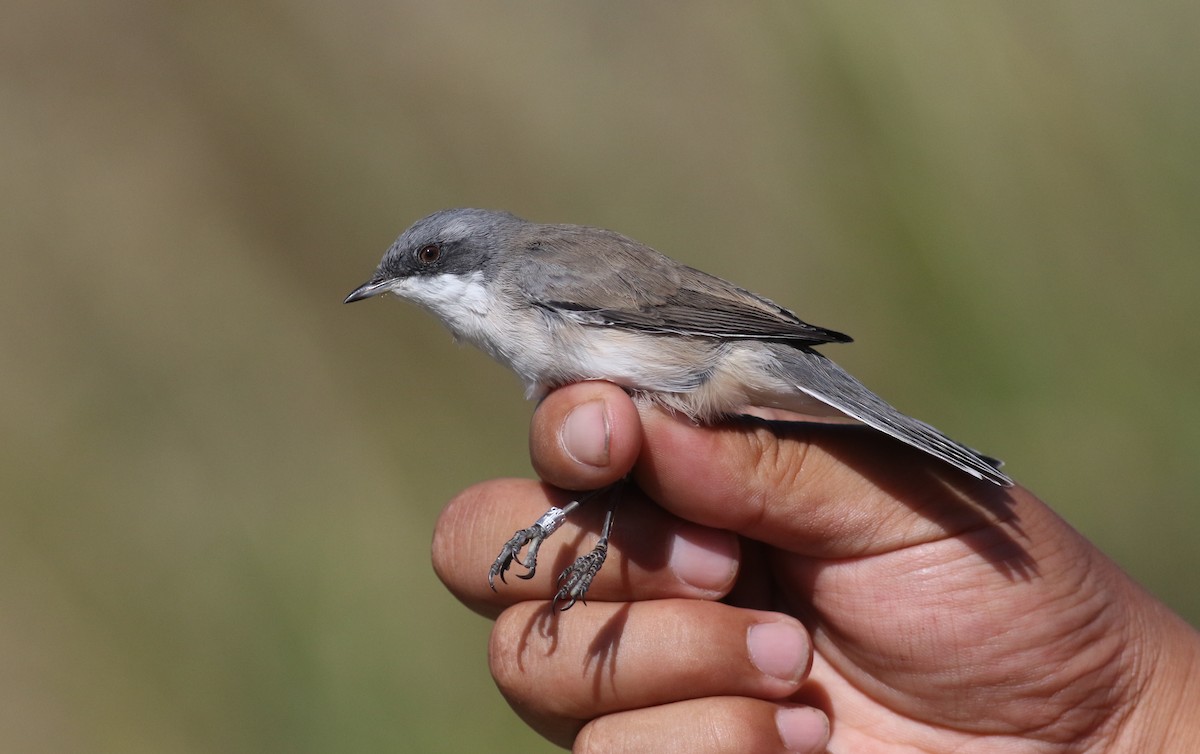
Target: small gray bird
(565,303)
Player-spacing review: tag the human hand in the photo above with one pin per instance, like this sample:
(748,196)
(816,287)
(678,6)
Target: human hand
(942,614)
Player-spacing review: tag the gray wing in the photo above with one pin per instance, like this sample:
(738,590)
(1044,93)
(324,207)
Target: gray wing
(602,278)
(817,376)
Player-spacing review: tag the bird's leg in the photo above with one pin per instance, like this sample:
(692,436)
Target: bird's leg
(533,536)
(573,583)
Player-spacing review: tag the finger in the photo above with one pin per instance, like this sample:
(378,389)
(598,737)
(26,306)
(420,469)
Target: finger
(823,490)
(652,554)
(820,490)
(559,671)
(713,725)
(585,436)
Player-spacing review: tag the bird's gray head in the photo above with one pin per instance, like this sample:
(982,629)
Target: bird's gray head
(449,247)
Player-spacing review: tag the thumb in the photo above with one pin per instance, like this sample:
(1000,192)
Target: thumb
(819,490)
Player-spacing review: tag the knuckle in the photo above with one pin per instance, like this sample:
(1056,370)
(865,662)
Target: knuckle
(780,463)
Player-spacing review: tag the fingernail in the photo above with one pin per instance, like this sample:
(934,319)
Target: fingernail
(704,558)
(585,434)
(779,649)
(802,729)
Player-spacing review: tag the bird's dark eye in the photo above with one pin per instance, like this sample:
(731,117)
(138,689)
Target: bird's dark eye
(429,253)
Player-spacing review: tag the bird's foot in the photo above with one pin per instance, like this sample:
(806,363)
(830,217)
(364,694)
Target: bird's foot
(573,583)
(533,536)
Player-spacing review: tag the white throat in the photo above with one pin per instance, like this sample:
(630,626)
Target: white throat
(455,299)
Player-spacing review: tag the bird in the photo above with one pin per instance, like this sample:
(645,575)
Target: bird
(560,303)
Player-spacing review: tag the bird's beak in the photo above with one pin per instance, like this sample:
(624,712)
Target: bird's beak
(367,290)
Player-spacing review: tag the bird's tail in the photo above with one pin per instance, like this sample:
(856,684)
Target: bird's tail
(824,380)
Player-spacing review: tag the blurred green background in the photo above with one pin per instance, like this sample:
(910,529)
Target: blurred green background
(219,484)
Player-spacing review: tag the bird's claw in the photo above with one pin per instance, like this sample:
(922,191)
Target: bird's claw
(573,583)
(532,536)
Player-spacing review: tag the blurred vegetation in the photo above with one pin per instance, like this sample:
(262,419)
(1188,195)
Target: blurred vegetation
(219,483)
